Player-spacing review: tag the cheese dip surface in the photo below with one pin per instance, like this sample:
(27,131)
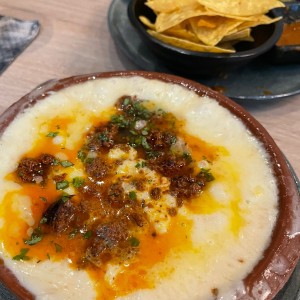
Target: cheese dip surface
(130,188)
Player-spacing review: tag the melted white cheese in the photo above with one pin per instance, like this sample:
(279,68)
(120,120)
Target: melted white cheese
(242,173)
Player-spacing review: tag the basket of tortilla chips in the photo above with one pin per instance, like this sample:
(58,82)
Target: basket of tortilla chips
(206,36)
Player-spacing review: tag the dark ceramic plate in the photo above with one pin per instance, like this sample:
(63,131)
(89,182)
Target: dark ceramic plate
(258,81)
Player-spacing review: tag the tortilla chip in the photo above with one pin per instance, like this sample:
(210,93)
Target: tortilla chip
(182,31)
(165,21)
(242,35)
(212,36)
(181,43)
(241,7)
(147,22)
(261,20)
(167,6)
(204,22)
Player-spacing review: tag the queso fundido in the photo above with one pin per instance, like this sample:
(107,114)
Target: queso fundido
(119,186)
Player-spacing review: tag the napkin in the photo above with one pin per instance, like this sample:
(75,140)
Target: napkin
(15,36)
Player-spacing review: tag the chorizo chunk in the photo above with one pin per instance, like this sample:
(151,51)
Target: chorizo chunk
(116,196)
(110,241)
(169,165)
(61,216)
(159,140)
(29,169)
(186,186)
(103,137)
(97,168)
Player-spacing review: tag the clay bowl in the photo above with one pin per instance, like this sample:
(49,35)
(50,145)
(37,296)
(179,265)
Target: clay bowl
(281,256)
(190,62)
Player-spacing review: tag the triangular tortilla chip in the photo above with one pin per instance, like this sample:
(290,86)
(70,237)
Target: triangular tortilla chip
(241,7)
(212,36)
(180,43)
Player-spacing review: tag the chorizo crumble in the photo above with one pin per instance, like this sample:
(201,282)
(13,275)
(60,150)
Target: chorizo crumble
(103,216)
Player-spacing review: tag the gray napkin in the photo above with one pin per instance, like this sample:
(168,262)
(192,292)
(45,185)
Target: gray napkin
(15,36)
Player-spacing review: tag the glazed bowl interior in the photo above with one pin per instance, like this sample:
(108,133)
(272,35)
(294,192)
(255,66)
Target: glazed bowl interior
(189,62)
(280,257)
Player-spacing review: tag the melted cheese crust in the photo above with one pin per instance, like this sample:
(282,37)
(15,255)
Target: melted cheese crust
(210,246)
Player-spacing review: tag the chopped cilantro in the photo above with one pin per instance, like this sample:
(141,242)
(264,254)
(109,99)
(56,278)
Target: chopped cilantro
(132,195)
(78,182)
(126,101)
(22,255)
(55,162)
(65,197)
(66,163)
(141,164)
(43,220)
(187,156)
(72,234)
(103,137)
(58,248)
(87,234)
(173,139)
(152,154)
(145,143)
(52,134)
(134,242)
(89,160)
(35,237)
(205,158)
(120,120)
(62,185)
(81,155)
(133,132)
(139,110)
(44,199)
(160,112)
(207,174)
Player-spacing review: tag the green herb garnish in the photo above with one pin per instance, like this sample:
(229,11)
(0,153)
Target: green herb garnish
(187,156)
(62,185)
(78,182)
(43,220)
(65,197)
(87,234)
(55,162)
(52,134)
(141,164)
(207,174)
(132,195)
(66,163)
(35,237)
(81,155)
(22,255)
(44,199)
(58,248)
(145,143)
(103,137)
(134,242)
(120,120)
(126,101)
(72,234)
(173,139)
